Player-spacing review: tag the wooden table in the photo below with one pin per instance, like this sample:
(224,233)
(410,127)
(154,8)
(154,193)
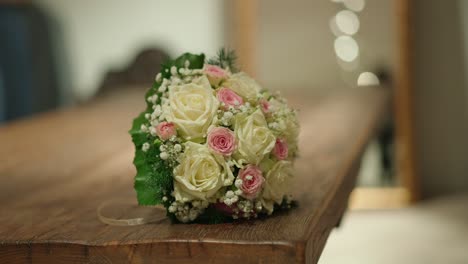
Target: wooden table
(58,167)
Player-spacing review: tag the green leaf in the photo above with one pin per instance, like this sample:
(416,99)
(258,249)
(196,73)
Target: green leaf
(138,137)
(196,61)
(143,170)
(147,192)
(137,122)
(154,177)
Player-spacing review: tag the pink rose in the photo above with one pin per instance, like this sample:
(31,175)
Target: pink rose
(221,140)
(215,74)
(165,130)
(252,181)
(229,98)
(281,149)
(265,105)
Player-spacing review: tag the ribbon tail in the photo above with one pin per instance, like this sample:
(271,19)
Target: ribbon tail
(128,221)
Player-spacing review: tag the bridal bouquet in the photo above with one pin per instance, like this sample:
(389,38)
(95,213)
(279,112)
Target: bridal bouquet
(212,145)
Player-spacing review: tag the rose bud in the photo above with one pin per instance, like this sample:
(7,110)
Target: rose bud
(215,74)
(165,130)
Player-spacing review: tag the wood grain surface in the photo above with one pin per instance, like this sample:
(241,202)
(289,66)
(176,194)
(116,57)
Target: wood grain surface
(58,167)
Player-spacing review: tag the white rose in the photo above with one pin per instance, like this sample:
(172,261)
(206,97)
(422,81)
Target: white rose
(288,124)
(200,174)
(290,129)
(255,140)
(278,181)
(191,107)
(244,86)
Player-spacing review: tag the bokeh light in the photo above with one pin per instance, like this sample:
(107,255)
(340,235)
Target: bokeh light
(354,5)
(346,48)
(347,22)
(367,79)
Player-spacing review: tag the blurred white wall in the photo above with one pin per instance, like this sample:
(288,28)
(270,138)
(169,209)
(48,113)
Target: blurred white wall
(105,34)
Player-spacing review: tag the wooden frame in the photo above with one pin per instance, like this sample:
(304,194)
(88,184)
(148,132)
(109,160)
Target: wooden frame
(241,28)
(403,106)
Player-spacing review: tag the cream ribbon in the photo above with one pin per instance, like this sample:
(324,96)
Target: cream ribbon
(130,221)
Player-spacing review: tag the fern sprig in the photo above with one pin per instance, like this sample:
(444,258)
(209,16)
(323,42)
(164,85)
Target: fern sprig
(225,58)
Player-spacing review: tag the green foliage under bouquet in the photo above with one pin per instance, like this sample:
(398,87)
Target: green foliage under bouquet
(213,145)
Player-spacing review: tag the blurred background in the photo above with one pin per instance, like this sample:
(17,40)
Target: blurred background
(410,204)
